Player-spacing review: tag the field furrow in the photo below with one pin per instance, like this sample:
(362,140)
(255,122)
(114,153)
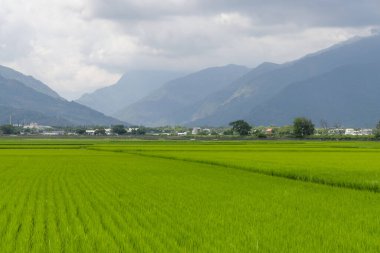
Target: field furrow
(348,165)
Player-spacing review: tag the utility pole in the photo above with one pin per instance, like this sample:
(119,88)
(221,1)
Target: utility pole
(10,119)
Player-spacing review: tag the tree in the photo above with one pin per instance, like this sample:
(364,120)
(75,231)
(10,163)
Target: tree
(138,131)
(80,131)
(284,131)
(303,127)
(100,131)
(377,131)
(118,129)
(8,129)
(241,127)
(228,132)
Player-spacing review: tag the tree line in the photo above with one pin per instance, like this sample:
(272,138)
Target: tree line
(301,128)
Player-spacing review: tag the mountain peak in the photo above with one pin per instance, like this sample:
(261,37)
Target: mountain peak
(29,81)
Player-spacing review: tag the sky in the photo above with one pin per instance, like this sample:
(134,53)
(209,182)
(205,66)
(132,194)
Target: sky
(77,46)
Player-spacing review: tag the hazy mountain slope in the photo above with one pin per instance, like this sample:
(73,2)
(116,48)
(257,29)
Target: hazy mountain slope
(176,101)
(210,104)
(27,104)
(24,116)
(129,89)
(252,92)
(29,81)
(348,95)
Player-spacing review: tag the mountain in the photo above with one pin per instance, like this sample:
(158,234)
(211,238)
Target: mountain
(211,103)
(29,81)
(347,95)
(253,90)
(176,101)
(24,116)
(130,88)
(27,105)
(340,84)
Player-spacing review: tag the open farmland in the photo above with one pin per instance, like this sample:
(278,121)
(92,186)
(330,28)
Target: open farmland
(114,196)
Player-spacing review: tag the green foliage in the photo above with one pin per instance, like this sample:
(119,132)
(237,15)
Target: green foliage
(303,127)
(259,132)
(214,133)
(99,196)
(80,131)
(118,129)
(228,132)
(261,135)
(139,131)
(284,131)
(241,127)
(8,129)
(204,132)
(100,131)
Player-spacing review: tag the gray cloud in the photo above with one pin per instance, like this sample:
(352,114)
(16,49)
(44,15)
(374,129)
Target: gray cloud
(302,12)
(308,12)
(182,29)
(137,10)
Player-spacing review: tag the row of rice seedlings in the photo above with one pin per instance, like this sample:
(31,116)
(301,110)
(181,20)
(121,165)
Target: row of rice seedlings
(130,222)
(131,211)
(104,217)
(19,200)
(81,228)
(39,231)
(56,217)
(157,218)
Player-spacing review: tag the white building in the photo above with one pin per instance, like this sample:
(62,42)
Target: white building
(367,131)
(131,129)
(34,125)
(90,132)
(207,130)
(196,130)
(351,131)
(336,131)
(54,133)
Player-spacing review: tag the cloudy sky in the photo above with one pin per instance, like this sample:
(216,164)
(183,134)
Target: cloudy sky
(76,46)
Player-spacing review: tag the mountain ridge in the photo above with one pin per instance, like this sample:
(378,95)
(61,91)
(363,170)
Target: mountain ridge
(29,81)
(257,90)
(335,97)
(25,103)
(176,100)
(131,87)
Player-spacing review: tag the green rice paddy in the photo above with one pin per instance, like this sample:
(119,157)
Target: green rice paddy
(141,196)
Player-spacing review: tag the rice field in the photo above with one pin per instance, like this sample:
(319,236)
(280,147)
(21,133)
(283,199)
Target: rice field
(139,196)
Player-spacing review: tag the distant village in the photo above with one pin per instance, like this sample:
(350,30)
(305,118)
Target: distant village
(119,130)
